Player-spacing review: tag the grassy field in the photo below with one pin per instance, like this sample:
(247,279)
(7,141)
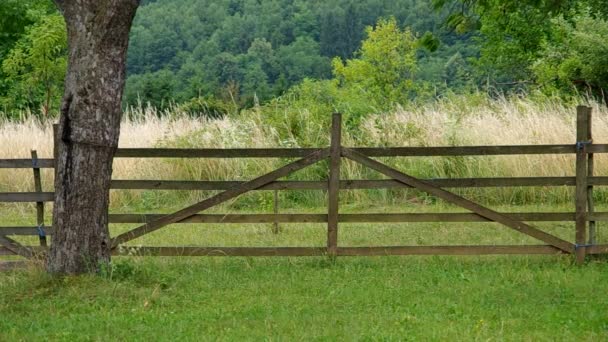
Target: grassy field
(385,298)
(388,298)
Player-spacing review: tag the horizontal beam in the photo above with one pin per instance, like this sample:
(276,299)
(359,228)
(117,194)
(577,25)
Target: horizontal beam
(342,251)
(355,218)
(355,184)
(302,152)
(312,185)
(475,150)
(220,251)
(214,153)
(5,251)
(18,197)
(322,218)
(368,151)
(597,249)
(24,231)
(448,250)
(13,265)
(26,164)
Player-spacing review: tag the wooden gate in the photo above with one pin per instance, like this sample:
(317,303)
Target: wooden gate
(584,216)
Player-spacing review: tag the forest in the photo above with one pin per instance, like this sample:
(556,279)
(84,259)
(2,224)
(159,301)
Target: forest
(216,57)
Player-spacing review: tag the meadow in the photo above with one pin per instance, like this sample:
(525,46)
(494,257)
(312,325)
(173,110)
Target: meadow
(382,298)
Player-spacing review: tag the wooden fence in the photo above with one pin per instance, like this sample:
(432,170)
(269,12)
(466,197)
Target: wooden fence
(583,216)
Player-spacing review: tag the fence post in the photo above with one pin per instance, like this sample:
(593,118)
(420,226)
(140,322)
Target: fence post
(590,173)
(276,228)
(55,144)
(334,185)
(39,205)
(582,135)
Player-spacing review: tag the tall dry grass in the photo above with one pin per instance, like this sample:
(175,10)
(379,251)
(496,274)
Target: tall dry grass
(449,122)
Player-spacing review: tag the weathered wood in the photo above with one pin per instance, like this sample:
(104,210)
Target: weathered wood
(6,252)
(341,251)
(23,231)
(24,197)
(368,151)
(13,265)
(39,205)
(214,153)
(15,247)
(333,195)
(354,184)
(221,251)
(350,218)
(464,150)
(582,127)
(220,198)
(25,163)
(590,174)
(597,249)
(447,250)
(276,228)
(598,148)
(458,200)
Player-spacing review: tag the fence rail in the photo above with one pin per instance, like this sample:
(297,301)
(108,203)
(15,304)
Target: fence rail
(584,182)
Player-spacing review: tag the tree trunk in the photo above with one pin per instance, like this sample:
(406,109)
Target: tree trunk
(89,126)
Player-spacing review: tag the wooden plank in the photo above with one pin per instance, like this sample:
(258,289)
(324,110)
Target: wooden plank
(212,185)
(25,163)
(24,231)
(6,252)
(342,251)
(39,205)
(6,266)
(221,198)
(221,251)
(598,148)
(582,126)
(333,196)
(227,219)
(464,150)
(214,153)
(447,250)
(345,218)
(590,174)
(276,228)
(368,151)
(354,184)
(25,197)
(15,247)
(597,249)
(460,201)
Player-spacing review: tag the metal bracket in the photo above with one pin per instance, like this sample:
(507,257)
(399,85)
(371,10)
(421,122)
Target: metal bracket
(581,145)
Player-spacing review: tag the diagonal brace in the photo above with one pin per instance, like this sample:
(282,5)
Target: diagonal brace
(220,198)
(458,200)
(15,247)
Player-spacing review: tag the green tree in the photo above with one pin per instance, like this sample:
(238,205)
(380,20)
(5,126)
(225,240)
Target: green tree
(35,66)
(386,63)
(575,56)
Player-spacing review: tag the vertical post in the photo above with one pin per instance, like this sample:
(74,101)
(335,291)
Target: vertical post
(39,205)
(276,229)
(55,144)
(334,185)
(582,134)
(590,173)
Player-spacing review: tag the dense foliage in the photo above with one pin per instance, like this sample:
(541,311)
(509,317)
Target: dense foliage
(217,57)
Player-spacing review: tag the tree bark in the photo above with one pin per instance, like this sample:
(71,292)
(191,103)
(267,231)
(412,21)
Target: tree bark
(89,127)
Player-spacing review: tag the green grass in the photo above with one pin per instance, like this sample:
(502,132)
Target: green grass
(388,298)
(381,298)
